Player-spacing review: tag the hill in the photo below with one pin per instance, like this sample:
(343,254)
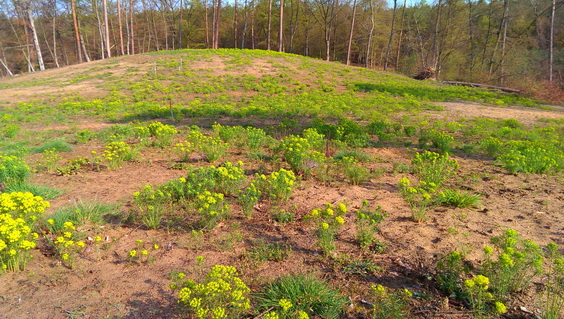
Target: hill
(181,160)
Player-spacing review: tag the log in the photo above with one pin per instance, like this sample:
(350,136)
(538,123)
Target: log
(482,86)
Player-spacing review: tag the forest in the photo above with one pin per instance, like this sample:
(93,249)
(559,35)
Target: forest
(516,43)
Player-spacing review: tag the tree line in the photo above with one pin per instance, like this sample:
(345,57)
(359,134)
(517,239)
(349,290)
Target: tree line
(512,42)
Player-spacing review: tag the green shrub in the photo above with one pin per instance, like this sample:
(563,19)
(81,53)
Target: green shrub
(529,157)
(434,168)
(368,224)
(13,170)
(306,293)
(355,173)
(162,134)
(211,147)
(328,221)
(248,198)
(553,296)
(390,304)
(277,186)
(441,141)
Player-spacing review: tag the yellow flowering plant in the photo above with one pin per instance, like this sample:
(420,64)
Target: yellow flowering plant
(66,245)
(328,221)
(389,303)
(18,215)
(211,147)
(220,294)
(143,252)
(278,186)
(115,153)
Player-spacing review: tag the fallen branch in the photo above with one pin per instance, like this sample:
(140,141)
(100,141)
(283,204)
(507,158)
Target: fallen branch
(483,86)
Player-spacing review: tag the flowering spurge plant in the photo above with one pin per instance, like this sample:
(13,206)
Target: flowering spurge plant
(115,153)
(184,150)
(367,224)
(162,133)
(482,301)
(298,153)
(328,221)
(65,244)
(278,186)
(517,262)
(419,198)
(392,304)
(286,311)
(434,168)
(18,213)
(211,147)
(228,177)
(248,198)
(141,254)
(211,209)
(12,169)
(221,294)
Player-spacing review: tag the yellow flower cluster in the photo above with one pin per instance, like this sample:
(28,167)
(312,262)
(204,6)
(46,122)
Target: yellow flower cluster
(115,153)
(212,147)
(330,217)
(278,185)
(66,247)
(184,150)
(222,294)
(18,213)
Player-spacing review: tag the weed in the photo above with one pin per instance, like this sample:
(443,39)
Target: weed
(13,170)
(553,296)
(248,198)
(367,224)
(278,186)
(457,198)
(434,168)
(54,145)
(263,251)
(355,173)
(306,293)
(80,213)
(390,304)
(49,160)
(283,216)
(328,221)
(211,147)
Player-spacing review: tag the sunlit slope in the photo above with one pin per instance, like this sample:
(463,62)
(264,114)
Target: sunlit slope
(237,83)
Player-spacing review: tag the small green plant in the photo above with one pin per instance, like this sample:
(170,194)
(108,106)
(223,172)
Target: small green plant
(49,160)
(81,213)
(450,269)
(115,153)
(13,170)
(277,186)
(228,177)
(483,302)
(434,168)
(140,254)
(283,216)
(220,294)
(263,251)
(491,146)
(298,153)
(390,304)
(73,167)
(517,262)
(65,244)
(163,134)
(211,147)
(7,131)
(441,141)
(306,294)
(553,296)
(248,198)
(211,209)
(419,198)
(355,173)
(458,198)
(57,145)
(328,221)
(184,150)
(367,225)
(528,157)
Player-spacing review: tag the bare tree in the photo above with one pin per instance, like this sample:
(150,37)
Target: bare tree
(281,30)
(353,18)
(400,34)
(106,27)
(121,49)
(391,35)
(551,45)
(269,24)
(27,8)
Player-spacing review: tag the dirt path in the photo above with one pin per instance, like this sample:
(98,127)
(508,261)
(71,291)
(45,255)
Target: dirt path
(529,116)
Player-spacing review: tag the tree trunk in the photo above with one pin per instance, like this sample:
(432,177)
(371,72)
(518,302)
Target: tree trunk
(106,27)
(121,49)
(206,23)
(76,32)
(471,39)
(281,30)
(400,35)
(391,36)
(180,26)
(86,56)
(551,45)
(372,25)
(351,33)
(5,65)
(35,39)
(55,42)
(132,34)
(436,36)
(216,26)
(245,24)
(235,25)
(269,24)
(503,41)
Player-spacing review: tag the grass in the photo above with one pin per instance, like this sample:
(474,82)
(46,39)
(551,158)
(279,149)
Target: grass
(57,145)
(37,190)
(83,212)
(307,293)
